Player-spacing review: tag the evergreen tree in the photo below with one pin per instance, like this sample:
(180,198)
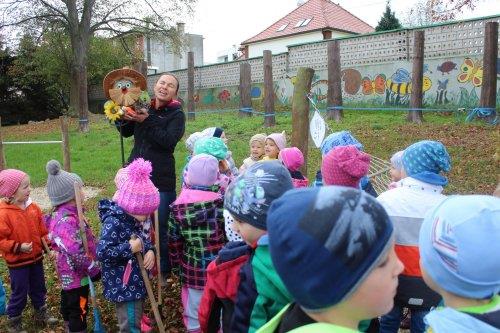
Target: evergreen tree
(389,21)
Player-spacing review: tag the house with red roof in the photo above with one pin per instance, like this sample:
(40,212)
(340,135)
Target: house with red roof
(312,20)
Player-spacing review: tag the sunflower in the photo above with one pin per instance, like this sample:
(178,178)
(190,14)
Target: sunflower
(112,111)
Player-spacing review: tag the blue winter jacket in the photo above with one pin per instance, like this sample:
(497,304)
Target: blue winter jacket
(114,252)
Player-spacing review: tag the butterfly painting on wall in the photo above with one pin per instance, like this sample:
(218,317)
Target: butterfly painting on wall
(471,71)
(375,86)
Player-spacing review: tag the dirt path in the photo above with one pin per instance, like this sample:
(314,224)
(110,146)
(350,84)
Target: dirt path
(39,195)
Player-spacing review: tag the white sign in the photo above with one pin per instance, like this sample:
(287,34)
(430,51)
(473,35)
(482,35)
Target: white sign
(317,128)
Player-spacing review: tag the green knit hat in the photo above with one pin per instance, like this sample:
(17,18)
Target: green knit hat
(212,146)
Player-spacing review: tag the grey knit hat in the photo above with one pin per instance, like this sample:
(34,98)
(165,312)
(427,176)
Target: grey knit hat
(60,184)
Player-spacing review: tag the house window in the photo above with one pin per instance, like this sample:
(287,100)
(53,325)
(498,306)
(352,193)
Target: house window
(303,23)
(299,23)
(306,22)
(282,27)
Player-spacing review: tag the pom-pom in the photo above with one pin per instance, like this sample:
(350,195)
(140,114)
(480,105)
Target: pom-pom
(53,167)
(139,169)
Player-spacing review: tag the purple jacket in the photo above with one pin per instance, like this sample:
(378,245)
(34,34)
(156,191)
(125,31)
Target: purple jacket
(73,264)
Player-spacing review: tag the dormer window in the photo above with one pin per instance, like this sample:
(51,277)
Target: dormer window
(283,27)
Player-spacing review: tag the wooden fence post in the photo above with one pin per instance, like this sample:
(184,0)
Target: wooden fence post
(3,164)
(245,89)
(65,143)
(191,114)
(416,116)
(300,112)
(334,95)
(490,55)
(269,119)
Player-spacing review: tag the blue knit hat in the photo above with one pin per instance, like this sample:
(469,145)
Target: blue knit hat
(337,139)
(459,245)
(249,196)
(324,241)
(211,146)
(424,161)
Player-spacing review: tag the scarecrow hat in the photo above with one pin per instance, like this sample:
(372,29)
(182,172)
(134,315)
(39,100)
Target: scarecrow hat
(125,73)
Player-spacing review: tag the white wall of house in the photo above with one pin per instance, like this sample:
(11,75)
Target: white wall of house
(164,60)
(279,45)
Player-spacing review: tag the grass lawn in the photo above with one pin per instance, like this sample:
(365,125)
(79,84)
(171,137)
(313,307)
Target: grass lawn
(95,156)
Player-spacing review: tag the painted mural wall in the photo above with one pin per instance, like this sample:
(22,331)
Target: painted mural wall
(376,71)
(447,83)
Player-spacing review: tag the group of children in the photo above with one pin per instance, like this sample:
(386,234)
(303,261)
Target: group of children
(257,250)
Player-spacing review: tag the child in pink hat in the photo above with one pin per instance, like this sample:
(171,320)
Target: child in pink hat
(21,233)
(293,159)
(196,232)
(275,142)
(123,234)
(345,166)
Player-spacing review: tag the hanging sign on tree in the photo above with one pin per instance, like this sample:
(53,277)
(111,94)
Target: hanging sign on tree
(317,128)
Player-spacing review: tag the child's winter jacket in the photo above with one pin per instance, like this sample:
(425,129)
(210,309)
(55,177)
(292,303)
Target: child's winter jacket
(73,264)
(19,226)
(114,252)
(196,234)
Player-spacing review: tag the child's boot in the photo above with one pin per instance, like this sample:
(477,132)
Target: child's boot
(43,317)
(16,325)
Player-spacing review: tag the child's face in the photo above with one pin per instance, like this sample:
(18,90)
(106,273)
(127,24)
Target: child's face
(375,296)
(248,232)
(256,150)
(395,174)
(223,137)
(271,149)
(140,218)
(23,191)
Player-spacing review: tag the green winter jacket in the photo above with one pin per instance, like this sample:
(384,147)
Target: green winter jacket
(273,324)
(272,294)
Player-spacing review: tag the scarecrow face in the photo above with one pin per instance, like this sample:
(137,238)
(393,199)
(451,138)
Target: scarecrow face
(125,91)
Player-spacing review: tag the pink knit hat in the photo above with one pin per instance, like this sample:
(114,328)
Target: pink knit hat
(279,139)
(292,158)
(345,166)
(137,195)
(10,179)
(202,170)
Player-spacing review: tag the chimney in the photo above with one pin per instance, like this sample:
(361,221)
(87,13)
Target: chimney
(301,2)
(180,27)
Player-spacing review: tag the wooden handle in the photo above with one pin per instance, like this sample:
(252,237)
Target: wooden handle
(81,220)
(45,245)
(151,294)
(157,245)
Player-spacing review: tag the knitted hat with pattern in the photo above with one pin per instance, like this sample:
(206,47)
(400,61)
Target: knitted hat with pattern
(249,196)
(325,241)
(10,179)
(345,166)
(211,146)
(458,242)
(260,138)
(338,139)
(425,160)
(137,195)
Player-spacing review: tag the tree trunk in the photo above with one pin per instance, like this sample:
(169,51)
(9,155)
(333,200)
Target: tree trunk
(79,82)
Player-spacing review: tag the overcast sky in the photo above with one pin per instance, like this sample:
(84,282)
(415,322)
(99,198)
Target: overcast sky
(224,23)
